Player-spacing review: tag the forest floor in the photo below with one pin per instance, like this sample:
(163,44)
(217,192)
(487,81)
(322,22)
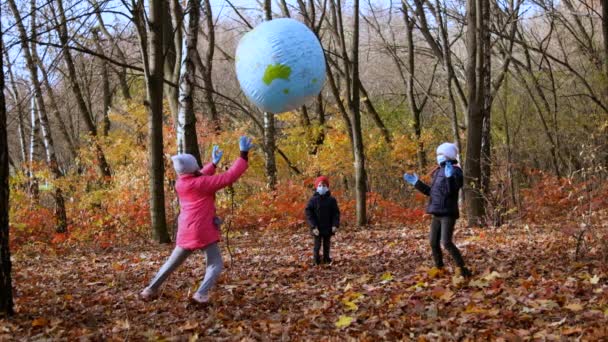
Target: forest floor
(527,286)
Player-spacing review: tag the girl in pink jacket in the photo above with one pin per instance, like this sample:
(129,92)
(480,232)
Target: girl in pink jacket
(197,225)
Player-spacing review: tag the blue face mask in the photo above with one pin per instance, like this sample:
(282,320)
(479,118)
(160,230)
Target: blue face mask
(322,190)
(441,159)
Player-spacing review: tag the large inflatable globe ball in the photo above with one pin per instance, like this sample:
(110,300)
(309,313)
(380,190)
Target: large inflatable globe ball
(280,65)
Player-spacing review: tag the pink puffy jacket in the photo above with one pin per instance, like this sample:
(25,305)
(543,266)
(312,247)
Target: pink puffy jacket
(197,201)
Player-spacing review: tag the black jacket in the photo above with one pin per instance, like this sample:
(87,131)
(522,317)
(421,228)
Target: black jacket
(322,212)
(443,192)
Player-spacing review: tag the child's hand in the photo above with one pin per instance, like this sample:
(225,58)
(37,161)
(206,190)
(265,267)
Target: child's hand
(216,155)
(334,229)
(315,232)
(410,178)
(245,144)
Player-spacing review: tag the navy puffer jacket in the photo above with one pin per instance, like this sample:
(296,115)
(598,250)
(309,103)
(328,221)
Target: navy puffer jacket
(443,192)
(323,213)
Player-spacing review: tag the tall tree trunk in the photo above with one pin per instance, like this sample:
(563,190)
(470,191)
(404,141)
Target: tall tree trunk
(605,40)
(486,131)
(173,22)
(105,79)
(187,141)
(416,112)
(474,75)
(154,86)
(6,284)
(87,118)
(207,72)
(35,143)
(269,128)
(359,152)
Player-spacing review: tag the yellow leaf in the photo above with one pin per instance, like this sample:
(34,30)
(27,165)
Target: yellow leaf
(433,272)
(492,276)
(576,307)
(350,305)
(386,277)
(68,297)
(474,310)
(594,280)
(344,321)
(40,322)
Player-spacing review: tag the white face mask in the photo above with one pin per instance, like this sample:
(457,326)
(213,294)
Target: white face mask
(441,158)
(322,190)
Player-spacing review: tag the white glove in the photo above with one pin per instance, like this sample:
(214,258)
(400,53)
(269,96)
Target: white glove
(315,232)
(334,229)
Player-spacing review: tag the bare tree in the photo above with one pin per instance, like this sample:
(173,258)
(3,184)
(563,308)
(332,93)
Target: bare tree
(39,110)
(121,71)
(85,112)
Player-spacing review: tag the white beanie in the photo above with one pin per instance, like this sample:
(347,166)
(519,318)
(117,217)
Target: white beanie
(449,150)
(184,163)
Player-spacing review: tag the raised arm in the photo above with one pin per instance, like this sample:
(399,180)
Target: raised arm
(211,184)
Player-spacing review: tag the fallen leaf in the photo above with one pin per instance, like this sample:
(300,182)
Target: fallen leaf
(594,280)
(571,331)
(576,307)
(40,322)
(433,272)
(557,324)
(344,321)
(386,277)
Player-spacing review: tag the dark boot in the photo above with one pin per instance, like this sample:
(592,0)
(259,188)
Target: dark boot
(465,272)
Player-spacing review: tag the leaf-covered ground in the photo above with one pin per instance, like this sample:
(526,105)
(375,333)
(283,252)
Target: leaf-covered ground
(380,286)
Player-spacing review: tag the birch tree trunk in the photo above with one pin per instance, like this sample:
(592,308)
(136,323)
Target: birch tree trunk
(187,141)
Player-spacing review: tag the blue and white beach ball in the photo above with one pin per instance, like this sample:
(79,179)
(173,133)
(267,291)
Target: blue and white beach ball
(280,65)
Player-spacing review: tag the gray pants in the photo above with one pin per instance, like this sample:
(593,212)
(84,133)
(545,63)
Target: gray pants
(179,255)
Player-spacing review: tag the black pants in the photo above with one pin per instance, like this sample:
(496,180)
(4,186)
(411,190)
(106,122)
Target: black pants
(326,240)
(442,229)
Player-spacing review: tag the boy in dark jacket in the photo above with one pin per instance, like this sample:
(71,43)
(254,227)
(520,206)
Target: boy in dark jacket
(323,217)
(443,203)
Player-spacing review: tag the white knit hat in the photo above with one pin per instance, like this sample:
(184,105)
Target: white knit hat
(449,150)
(184,163)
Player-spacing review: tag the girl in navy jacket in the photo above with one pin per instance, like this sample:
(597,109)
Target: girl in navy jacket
(443,203)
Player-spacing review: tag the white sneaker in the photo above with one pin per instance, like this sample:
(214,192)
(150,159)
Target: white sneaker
(200,299)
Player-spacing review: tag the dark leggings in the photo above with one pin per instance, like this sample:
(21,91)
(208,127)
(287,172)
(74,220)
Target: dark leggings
(442,229)
(326,240)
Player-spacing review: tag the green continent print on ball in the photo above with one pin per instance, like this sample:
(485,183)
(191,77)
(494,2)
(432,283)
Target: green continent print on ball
(280,65)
